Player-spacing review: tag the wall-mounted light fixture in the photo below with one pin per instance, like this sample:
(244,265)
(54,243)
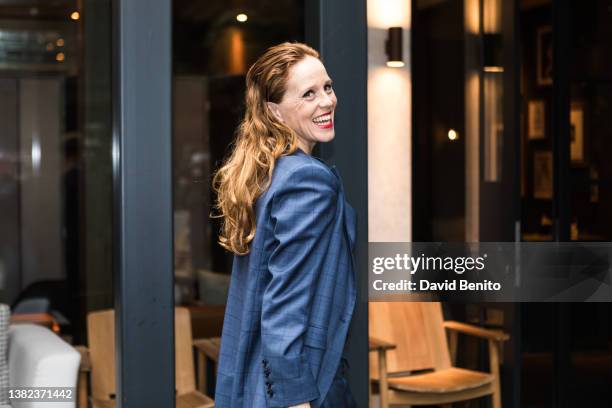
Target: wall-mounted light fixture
(393,47)
(492,44)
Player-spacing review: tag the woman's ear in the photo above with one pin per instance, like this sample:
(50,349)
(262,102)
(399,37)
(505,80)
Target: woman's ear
(275,109)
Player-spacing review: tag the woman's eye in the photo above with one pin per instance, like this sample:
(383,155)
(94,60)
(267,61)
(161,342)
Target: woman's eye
(308,94)
(328,88)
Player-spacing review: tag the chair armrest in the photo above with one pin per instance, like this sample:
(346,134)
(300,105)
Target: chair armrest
(380,345)
(209,347)
(476,331)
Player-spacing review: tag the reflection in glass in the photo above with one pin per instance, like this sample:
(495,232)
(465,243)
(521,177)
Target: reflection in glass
(493,83)
(55,164)
(214,43)
(213,48)
(493,125)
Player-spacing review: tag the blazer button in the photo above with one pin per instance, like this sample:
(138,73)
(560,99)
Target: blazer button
(264,362)
(267,372)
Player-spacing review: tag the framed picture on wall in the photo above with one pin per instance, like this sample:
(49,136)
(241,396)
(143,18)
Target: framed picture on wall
(542,175)
(577,132)
(536,115)
(544,57)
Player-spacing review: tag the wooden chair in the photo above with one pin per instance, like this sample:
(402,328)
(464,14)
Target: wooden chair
(410,360)
(101,336)
(208,353)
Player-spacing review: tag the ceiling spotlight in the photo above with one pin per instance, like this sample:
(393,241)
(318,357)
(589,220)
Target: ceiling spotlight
(60,57)
(75,15)
(242,17)
(453,135)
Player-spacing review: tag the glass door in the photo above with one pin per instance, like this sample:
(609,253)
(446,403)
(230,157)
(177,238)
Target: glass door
(465,82)
(565,106)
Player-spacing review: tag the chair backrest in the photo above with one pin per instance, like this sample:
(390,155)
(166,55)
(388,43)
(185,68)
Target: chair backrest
(416,328)
(183,340)
(101,342)
(101,336)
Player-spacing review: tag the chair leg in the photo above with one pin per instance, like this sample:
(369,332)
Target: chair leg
(382,378)
(82,391)
(202,380)
(452,345)
(494,365)
(496,397)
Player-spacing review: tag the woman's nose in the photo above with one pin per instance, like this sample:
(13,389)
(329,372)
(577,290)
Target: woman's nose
(326,101)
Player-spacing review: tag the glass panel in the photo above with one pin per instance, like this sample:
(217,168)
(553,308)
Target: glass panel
(538,322)
(213,46)
(55,175)
(589,66)
(459,145)
(590,112)
(590,170)
(536,124)
(459,122)
(441,131)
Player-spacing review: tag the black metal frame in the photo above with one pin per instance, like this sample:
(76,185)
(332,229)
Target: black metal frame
(561,187)
(338,29)
(142,183)
(511,372)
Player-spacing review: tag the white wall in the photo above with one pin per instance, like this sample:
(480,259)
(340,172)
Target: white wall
(389,127)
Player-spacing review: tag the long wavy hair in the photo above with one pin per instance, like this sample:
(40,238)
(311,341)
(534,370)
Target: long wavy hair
(260,140)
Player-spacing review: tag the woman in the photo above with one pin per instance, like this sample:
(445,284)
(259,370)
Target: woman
(286,220)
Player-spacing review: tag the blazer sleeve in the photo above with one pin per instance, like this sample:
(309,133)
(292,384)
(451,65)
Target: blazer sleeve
(302,213)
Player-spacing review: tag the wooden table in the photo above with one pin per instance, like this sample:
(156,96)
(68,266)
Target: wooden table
(206,320)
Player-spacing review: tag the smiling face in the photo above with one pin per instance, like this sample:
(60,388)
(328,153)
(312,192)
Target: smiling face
(308,104)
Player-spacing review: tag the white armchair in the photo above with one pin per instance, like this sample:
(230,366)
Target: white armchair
(37,357)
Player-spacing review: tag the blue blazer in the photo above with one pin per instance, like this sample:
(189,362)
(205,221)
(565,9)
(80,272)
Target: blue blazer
(291,298)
